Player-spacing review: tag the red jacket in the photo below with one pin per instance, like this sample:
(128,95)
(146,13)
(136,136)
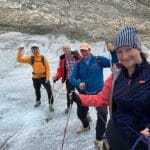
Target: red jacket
(100,99)
(61,70)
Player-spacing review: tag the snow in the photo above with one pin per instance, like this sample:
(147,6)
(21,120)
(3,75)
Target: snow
(23,127)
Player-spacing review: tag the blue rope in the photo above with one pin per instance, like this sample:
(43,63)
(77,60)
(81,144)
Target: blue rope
(141,139)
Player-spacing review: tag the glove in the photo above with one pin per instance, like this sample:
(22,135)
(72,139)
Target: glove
(75,98)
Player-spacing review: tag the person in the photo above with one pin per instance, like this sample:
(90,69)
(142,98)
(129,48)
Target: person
(41,73)
(130,103)
(66,64)
(129,97)
(87,77)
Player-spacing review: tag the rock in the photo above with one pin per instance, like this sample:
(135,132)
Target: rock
(48,118)
(83,20)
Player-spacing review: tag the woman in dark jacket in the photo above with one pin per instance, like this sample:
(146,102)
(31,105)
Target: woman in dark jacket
(130,100)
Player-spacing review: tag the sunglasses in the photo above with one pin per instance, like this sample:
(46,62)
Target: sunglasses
(83,50)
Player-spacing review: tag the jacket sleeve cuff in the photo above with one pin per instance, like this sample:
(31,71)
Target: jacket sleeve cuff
(114,57)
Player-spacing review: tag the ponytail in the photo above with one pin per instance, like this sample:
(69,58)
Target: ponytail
(144,55)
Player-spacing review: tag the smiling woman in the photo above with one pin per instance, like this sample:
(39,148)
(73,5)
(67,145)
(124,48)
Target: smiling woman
(128,49)
(130,102)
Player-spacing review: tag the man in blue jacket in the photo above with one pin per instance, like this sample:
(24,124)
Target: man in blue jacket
(87,77)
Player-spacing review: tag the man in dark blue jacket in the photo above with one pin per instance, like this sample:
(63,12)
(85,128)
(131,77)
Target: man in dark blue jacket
(87,77)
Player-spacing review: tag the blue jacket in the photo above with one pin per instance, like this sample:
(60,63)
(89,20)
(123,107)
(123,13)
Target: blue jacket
(91,74)
(131,100)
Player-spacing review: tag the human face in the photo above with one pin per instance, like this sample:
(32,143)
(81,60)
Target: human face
(128,56)
(85,53)
(35,50)
(66,50)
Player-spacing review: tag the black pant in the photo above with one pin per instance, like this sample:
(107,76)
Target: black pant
(119,141)
(69,88)
(37,85)
(101,119)
(82,112)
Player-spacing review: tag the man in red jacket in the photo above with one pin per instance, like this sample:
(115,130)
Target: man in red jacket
(66,64)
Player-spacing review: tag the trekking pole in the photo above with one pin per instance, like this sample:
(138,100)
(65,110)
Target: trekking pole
(65,130)
(52,92)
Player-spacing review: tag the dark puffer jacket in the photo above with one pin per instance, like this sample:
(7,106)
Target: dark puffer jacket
(131,100)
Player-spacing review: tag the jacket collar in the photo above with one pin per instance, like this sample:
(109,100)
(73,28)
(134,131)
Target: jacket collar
(138,68)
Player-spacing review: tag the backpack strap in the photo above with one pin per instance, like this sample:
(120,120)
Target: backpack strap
(42,60)
(97,59)
(78,67)
(32,60)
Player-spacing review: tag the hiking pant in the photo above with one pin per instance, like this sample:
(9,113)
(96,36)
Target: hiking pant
(118,141)
(69,88)
(101,122)
(37,82)
(82,112)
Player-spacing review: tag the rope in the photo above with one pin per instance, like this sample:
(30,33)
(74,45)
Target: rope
(65,130)
(54,90)
(140,138)
(59,92)
(143,139)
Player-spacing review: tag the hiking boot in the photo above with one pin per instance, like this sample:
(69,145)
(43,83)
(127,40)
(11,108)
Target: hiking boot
(82,129)
(67,110)
(51,108)
(89,117)
(99,144)
(37,103)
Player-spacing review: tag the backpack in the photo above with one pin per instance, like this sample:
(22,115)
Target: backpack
(42,60)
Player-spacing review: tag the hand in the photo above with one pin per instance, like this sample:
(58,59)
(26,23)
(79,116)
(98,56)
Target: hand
(145,132)
(109,46)
(47,81)
(82,86)
(54,78)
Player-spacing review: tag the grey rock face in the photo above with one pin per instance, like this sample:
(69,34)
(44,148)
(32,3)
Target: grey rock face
(86,19)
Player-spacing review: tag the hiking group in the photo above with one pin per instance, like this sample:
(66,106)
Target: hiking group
(125,92)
